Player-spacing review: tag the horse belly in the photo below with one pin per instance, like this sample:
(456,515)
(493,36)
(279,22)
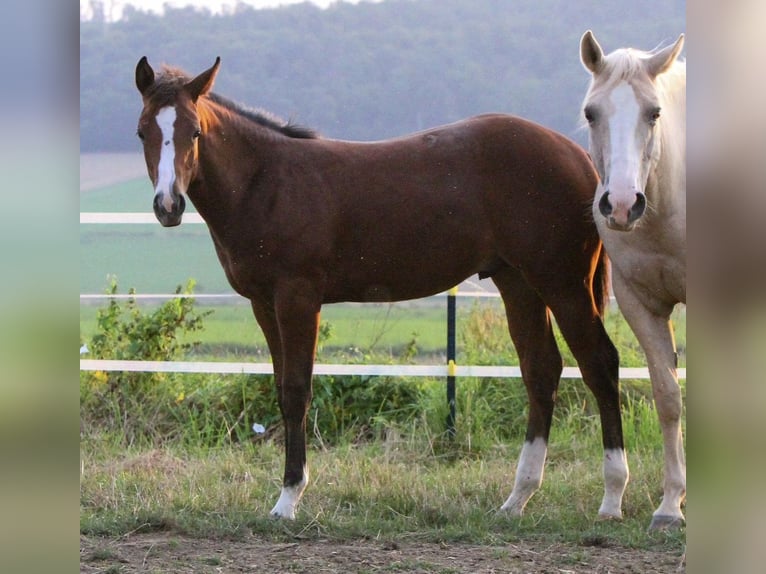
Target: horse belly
(406,274)
(397,284)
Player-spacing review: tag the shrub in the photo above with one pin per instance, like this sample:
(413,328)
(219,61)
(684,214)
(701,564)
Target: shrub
(206,410)
(133,403)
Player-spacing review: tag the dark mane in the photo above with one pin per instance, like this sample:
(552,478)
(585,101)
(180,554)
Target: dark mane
(171,80)
(265,119)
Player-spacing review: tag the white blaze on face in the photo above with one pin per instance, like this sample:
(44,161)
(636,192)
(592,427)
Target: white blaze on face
(624,175)
(166,172)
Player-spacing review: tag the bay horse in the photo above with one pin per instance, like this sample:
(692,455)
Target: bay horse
(635,108)
(299,220)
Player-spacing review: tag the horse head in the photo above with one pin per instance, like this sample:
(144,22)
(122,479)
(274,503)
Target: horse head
(170,129)
(624,112)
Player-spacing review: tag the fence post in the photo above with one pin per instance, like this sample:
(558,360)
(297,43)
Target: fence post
(451,348)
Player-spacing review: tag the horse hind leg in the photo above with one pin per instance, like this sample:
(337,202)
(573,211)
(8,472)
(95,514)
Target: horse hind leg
(291,333)
(530,329)
(598,360)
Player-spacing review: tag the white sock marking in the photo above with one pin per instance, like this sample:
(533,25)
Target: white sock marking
(616,476)
(289,498)
(529,476)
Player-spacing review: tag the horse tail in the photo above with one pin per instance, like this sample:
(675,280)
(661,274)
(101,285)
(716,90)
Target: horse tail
(601,281)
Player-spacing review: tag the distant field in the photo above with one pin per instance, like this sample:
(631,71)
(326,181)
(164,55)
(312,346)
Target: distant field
(232,332)
(147,257)
(153,259)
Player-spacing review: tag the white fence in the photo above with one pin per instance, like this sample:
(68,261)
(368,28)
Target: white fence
(338,369)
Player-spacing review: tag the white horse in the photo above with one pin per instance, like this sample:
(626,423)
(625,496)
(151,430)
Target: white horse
(636,111)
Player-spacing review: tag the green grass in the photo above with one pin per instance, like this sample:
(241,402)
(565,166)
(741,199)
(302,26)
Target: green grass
(355,330)
(231,330)
(412,486)
(145,256)
(133,195)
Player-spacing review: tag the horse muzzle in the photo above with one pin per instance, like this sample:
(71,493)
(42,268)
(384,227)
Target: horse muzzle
(172,217)
(622,215)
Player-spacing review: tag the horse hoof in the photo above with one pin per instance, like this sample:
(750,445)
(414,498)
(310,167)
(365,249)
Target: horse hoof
(665,522)
(514,510)
(604,517)
(276,514)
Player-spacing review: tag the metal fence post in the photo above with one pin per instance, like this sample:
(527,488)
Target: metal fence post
(451,351)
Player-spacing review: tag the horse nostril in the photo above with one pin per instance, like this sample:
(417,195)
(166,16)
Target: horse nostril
(604,206)
(638,207)
(170,218)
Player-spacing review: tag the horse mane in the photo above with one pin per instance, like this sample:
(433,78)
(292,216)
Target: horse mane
(265,119)
(171,80)
(626,64)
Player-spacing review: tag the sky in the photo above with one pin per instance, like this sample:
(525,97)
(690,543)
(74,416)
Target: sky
(115,7)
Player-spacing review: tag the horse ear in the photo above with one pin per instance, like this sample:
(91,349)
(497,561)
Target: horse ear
(591,54)
(144,75)
(203,83)
(662,60)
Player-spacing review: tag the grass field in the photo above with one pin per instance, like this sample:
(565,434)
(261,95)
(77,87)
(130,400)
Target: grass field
(231,332)
(411,484)
(152,259)
(148,257)
(231,328)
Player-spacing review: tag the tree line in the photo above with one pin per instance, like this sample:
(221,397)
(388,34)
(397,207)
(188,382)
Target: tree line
(371,70)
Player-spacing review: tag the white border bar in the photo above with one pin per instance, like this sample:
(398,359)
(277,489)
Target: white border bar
(337,369)
(131,217)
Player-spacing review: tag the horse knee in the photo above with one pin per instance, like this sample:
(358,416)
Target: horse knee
(668,401)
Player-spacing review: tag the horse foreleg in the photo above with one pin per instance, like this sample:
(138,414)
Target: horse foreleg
(298,320)
(655,335)
(266,316)
(540,361)
(267,320)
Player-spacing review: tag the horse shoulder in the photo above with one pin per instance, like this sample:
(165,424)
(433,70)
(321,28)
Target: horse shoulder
(655,274)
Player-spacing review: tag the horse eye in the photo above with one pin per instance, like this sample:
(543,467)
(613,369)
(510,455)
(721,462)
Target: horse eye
(590,116)
(196,133)
(140,135)
(654,115)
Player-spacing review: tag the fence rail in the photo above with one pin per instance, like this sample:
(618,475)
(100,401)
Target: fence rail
(110,217)
(222,367)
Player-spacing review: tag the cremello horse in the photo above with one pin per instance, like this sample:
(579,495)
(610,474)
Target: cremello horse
(636,111)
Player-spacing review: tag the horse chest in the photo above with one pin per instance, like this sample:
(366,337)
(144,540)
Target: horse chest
(246,265)
(658,278)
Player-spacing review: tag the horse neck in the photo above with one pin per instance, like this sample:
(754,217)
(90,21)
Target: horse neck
(230,158)
(666,187)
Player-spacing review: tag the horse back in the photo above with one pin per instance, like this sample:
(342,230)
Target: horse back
(415,215)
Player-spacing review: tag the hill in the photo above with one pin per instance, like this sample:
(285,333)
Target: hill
(370,70)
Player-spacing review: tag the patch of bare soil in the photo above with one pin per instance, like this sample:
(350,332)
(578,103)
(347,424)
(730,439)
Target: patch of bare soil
(172,554)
